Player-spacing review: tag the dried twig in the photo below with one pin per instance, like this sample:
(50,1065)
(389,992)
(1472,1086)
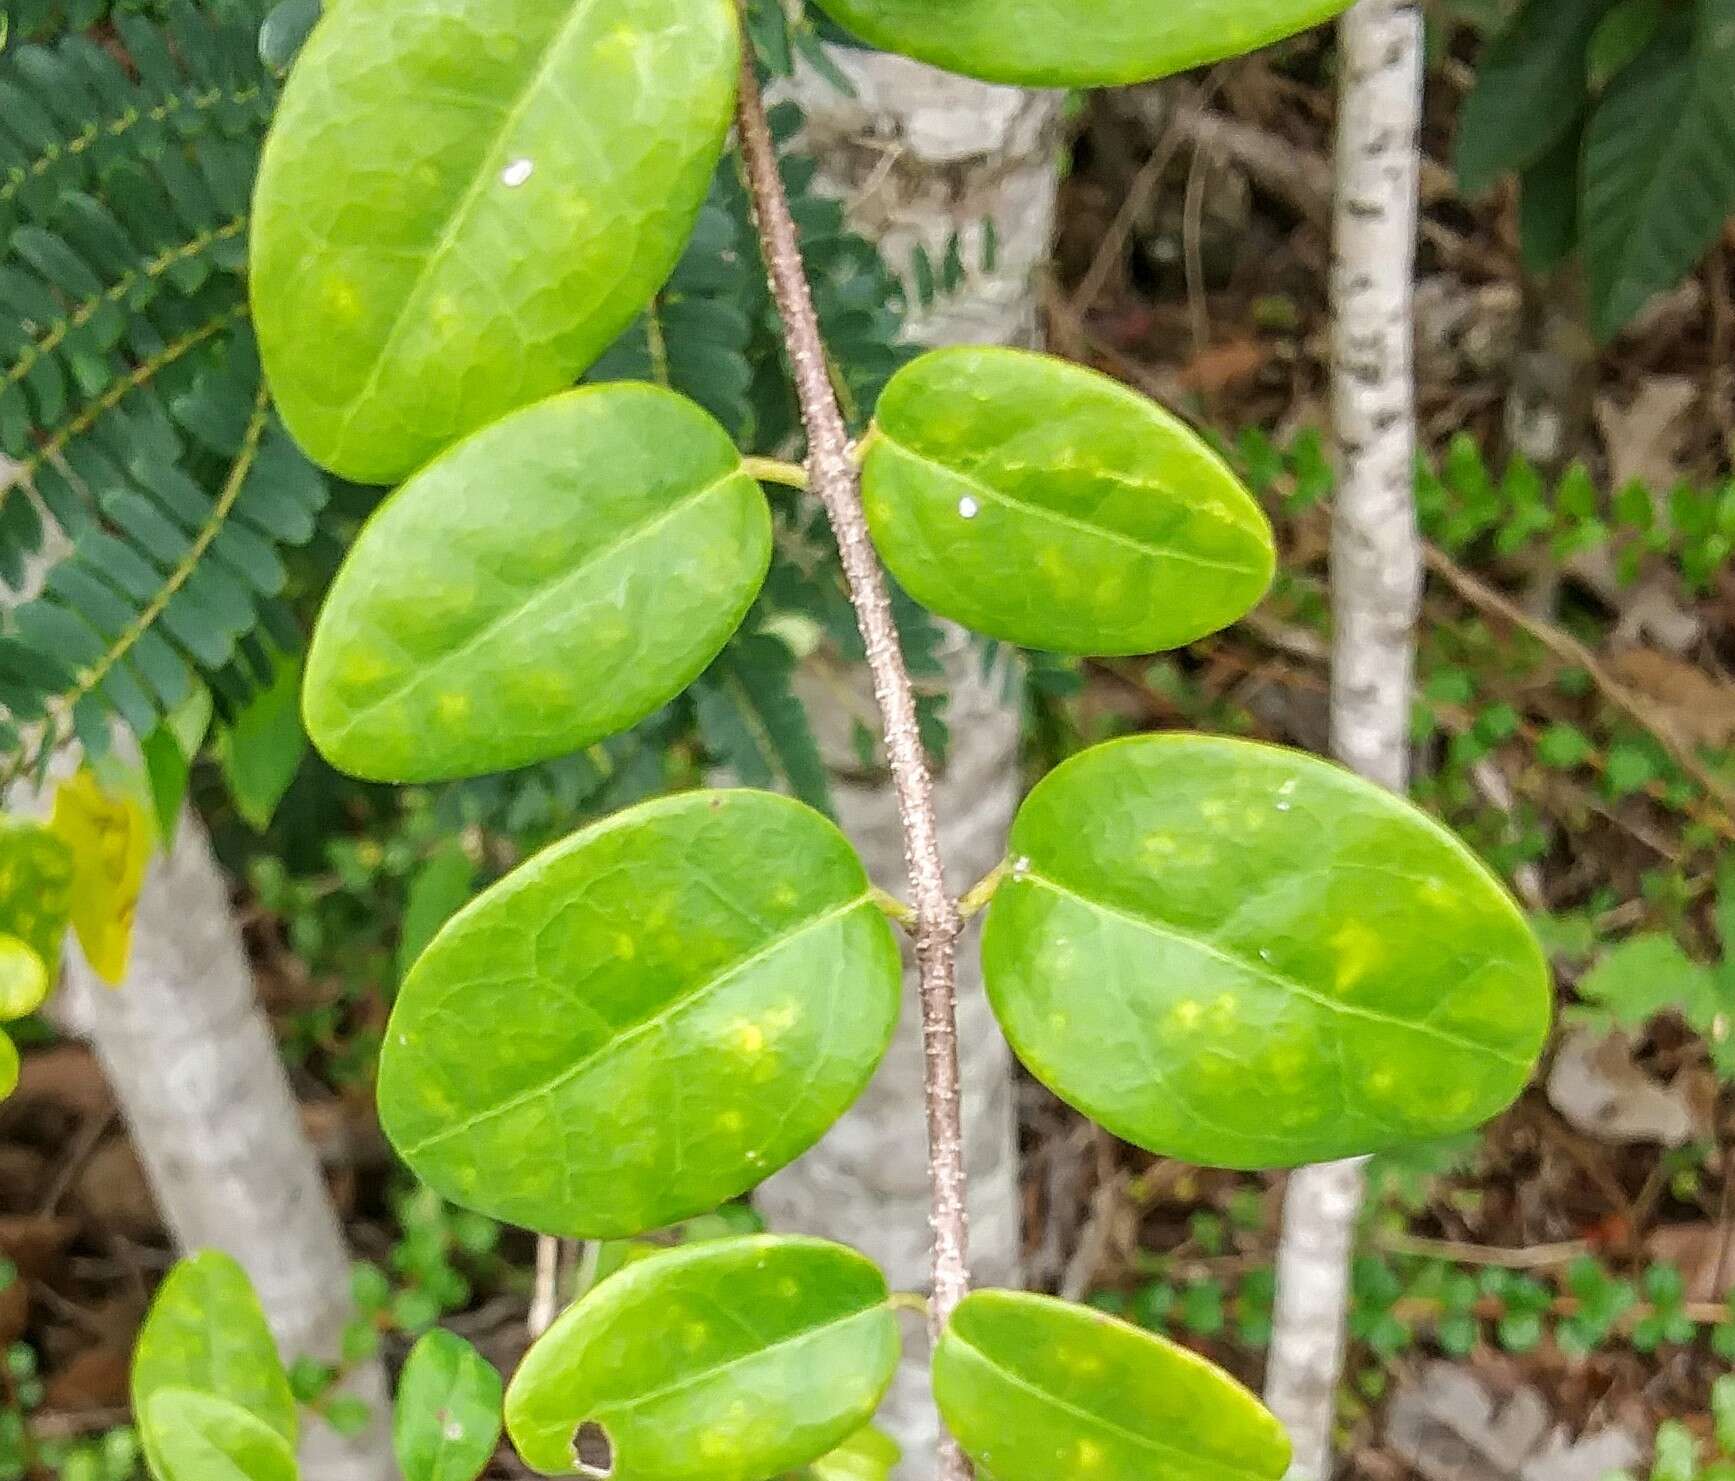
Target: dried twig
(545,1297)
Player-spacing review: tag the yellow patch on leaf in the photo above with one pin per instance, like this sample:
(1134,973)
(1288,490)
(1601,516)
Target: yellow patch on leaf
(110,840)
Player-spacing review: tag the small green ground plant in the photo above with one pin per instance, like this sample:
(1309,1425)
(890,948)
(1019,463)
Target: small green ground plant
(1226,952)
(1681,1456)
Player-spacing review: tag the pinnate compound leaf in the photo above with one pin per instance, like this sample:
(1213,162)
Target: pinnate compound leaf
(644,1020)
(1244,956)
(730,1360)
(205,1332)
(1036,1388)
(1044,504)
(447,1420)
(549,581)
(194,1436)
(1659,163)
(462,203)
(1075,43)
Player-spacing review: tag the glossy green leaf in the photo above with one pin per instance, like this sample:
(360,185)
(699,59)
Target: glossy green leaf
(1047,505)
(867,1455)
(447,1420)
(9,1065)
(193,1436)
(1075,43)
(1036,1388)
(462,203)
(205,1332)
(644,1020)
(731,1360)
(551,580)
(1244,956)
(36,876)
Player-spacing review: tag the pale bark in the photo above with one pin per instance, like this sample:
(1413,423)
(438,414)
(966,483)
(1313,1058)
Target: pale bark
(1376,585)
(917,155)
(196,1071)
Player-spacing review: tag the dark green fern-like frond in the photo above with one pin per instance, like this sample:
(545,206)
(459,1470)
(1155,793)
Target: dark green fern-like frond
(751,720)
(149,475)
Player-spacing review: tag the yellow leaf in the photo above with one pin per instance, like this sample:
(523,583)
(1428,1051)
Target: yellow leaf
(110,839)
(9,1066)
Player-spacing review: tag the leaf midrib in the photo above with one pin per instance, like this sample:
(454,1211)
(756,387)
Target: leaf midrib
(1228,1470)
(455,222)
(705,1375)
(533,603)
(1068,521)
(1265,972)
(640,1027)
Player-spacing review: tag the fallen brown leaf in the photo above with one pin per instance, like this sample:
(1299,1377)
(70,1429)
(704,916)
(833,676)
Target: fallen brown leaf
(1217,369)
(1699,707)
(93,1379)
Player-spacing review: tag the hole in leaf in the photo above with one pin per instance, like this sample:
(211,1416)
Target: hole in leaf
(593,1450)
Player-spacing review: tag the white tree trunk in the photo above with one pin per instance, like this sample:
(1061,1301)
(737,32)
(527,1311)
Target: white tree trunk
(196,1071)
(1376,585)
(919,155)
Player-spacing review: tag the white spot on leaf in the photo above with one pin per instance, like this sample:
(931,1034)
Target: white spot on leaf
(516,173)
(968,507)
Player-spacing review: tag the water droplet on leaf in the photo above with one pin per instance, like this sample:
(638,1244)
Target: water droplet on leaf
(516,173)
(968,507)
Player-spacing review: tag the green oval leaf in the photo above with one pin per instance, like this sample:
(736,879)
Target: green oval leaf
(447,1421)
(551,580)
(644,1020)
(1036,1388)
(462,203)
(1075,43)
(1244,956)
(867,1455)
(205,1332)
(192,1436)
(10,1068)
(731,1360)
(1047,505)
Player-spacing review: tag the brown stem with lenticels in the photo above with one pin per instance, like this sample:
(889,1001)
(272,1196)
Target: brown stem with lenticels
(835,480)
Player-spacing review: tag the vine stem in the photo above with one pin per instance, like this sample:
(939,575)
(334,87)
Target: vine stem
(835,479)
